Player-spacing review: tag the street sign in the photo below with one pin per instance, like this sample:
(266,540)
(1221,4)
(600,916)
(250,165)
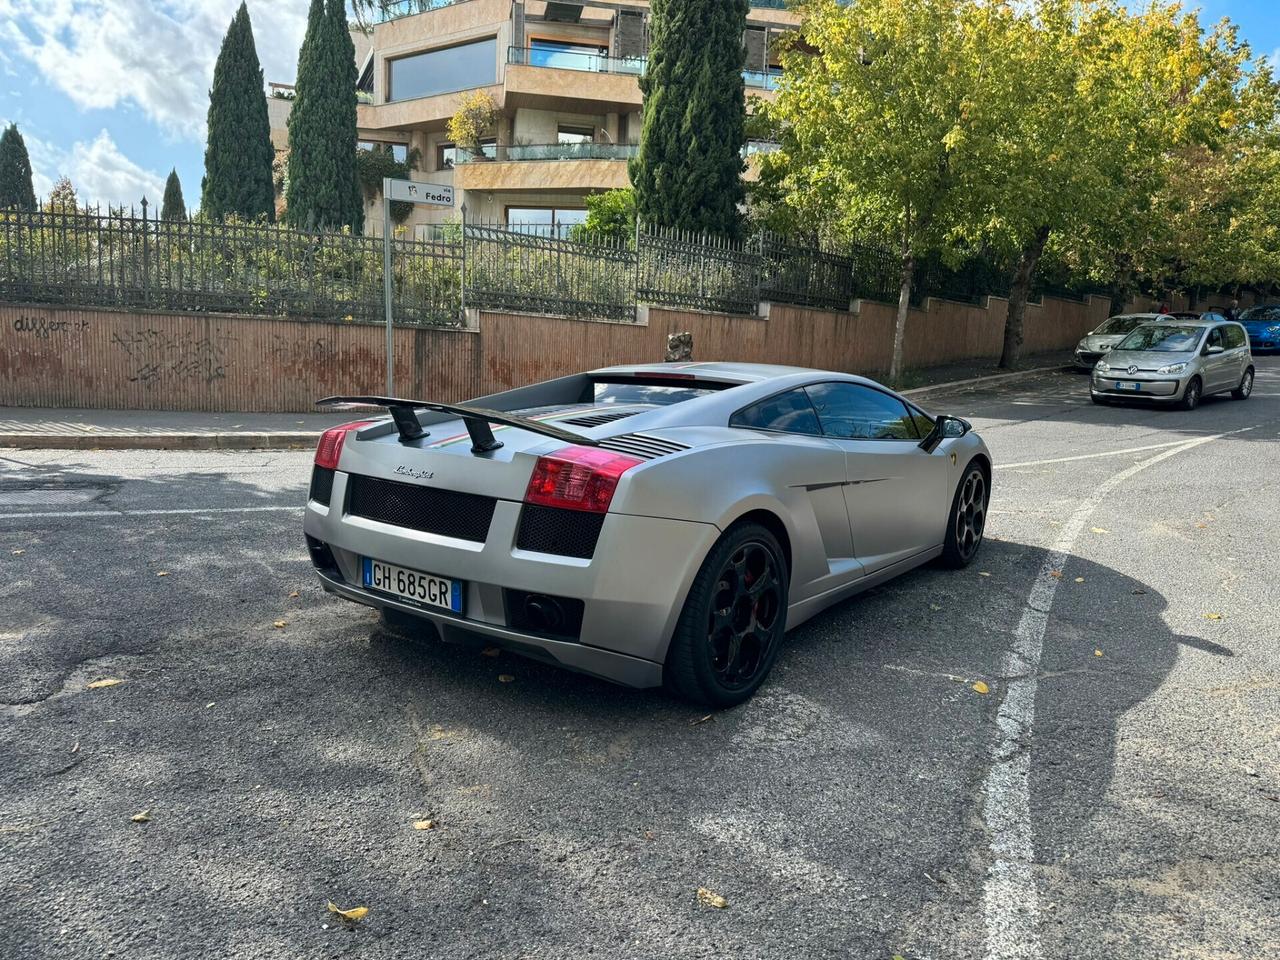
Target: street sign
(411,191)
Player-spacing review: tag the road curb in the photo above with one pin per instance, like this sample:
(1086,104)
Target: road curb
(286,440)
(992,378)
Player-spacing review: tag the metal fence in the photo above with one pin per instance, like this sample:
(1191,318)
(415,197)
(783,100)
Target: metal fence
(122,259)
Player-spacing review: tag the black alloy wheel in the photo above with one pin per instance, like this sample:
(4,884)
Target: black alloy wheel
(968,520)
(733,620)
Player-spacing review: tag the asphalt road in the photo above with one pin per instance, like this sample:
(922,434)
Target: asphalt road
(1115,794)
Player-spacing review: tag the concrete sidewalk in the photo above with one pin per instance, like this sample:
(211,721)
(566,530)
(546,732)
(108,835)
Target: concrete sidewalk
(37,428)
(33,428)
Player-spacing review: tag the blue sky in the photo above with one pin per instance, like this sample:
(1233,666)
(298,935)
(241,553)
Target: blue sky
(113,93)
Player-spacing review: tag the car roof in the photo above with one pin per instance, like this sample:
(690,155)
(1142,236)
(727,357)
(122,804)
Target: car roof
(712,370)
(1201,322)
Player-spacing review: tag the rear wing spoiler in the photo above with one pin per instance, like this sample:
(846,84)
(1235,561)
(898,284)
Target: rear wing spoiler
(477,419)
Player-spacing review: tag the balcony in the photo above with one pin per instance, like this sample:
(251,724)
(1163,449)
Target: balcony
(573,60)
(519,152)
(627,66)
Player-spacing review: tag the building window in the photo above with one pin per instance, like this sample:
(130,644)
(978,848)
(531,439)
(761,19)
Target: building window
(568,134)
(447,153)
(567,56)
(443,71)
(399,151)
(545,221)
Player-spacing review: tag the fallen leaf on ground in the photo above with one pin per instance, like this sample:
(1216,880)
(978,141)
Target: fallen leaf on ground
(293,595)
(355,913)
(162,573)
(1079,579)
(979,687)
(709,716)
(1213,616)
(505,678)
(649,835)
(280,624)
(490,652)
(424,824)
(142,816)
(983,573)
(18,553)
(1056,574)
(1138,592)
(106,682)
(1097,653)
(709,899)
(1100,530)
(208,705)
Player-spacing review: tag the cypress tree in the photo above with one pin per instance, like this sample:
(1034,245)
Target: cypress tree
(16,191)
(174,207)
(688,172)
(324,189)
(237,158)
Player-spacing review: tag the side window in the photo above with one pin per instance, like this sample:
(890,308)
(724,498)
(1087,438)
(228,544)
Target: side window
(1235,336)
(849,411)
(1215,338)
(789,412)
(924,424)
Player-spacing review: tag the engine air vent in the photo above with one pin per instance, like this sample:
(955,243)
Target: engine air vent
(643,446)
(600,419)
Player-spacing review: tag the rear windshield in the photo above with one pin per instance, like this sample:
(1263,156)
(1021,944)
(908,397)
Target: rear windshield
(1269,312)
(1120,325)
(647,392)
(1163,338)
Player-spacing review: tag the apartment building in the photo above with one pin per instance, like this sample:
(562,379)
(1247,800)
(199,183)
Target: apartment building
(564,77)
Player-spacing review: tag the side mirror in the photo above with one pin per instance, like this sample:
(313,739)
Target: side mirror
(1210,351)
(944,428)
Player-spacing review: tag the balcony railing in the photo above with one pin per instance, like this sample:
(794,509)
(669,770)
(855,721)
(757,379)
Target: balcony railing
(574,60)
(395,9)
(599,63)
(554,151)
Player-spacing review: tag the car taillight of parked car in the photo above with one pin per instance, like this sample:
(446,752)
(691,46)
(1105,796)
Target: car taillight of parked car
(329,449)
(578,478)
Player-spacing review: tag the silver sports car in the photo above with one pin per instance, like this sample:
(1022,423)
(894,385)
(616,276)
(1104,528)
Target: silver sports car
(648,524)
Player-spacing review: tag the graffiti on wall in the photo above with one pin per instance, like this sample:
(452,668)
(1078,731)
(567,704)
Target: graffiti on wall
(45,327)
(164,356)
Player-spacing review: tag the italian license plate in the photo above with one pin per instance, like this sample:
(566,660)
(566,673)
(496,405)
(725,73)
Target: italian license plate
(1128,386)
(424,589)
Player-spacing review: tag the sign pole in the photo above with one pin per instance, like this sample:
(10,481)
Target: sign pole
(387,284)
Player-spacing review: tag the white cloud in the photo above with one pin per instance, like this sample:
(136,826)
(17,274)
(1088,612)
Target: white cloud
(99,171)
(156,55)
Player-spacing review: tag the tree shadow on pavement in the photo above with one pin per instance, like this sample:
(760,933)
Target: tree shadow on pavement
(839,812)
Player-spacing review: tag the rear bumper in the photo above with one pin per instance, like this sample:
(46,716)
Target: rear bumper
(606,664)
(632,588)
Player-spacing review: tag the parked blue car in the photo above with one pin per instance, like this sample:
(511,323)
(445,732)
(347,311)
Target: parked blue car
(1263,324)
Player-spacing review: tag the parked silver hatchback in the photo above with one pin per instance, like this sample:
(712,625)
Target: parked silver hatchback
(1177,362)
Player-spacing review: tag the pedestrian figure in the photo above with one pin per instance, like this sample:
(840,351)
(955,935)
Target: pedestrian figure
(1232,312)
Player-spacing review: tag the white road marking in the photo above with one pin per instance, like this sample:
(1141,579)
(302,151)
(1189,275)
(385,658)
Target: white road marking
(117,514)
(1011,909)
(1111,453)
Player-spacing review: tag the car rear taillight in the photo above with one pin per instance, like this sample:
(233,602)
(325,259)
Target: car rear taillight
(578,478)
(329,450)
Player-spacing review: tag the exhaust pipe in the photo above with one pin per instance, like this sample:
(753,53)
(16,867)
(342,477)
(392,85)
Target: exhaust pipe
(543,614)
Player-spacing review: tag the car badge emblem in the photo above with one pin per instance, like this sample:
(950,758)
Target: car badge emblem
(1132,368)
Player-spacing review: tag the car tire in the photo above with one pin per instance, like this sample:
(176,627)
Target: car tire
(1191,395)
(1246,386)
(731,627)
(967,522)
